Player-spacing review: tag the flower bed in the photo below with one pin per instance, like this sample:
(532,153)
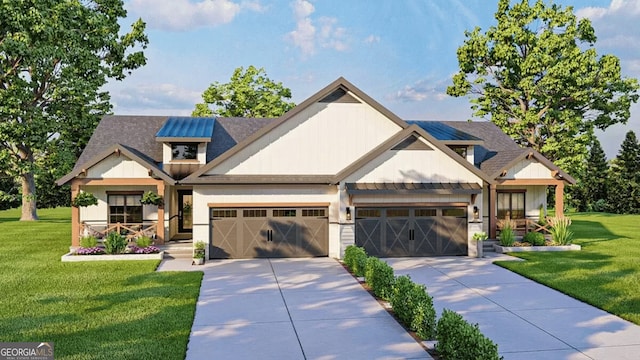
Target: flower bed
(97,253)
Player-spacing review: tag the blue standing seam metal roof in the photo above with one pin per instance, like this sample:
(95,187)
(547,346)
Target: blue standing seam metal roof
(187,127)
(443,132)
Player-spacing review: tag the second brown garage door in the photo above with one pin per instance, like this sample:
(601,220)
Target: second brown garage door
(238,233)
(396,232)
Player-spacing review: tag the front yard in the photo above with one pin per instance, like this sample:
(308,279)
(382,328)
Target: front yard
(606,273)
(94,310)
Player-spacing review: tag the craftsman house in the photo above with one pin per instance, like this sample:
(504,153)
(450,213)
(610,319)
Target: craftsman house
(338,169)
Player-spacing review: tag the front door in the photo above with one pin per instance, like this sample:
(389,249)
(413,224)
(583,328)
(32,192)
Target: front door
(185,211)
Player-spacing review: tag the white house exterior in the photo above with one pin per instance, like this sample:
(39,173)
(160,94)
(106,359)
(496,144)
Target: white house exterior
(338,169)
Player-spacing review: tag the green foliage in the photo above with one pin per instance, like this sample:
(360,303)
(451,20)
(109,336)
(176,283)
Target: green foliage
(56,58)
(355,257)
(538,76)
(560,232)
(480,236)
(507,235)
(151,198)
(379,275)
(199,249)
(534,238)
(115,243)
(592,185)
(144,241)
(414,307)
(542,216)
(457,339)
(624,178)
(89,305)
(84,199)
(250,93)
(88,241)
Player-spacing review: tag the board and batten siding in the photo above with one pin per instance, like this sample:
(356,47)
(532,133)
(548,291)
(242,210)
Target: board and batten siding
(323,139)
(253,196)
(414,166)
(115,166)
(528,169)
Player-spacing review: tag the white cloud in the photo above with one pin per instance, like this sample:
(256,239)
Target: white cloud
(310,33)
(617,28)
(425,89)
(371,39)
(160,98)
(181,15)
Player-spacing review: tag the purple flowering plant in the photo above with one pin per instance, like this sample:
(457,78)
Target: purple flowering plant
(96,250)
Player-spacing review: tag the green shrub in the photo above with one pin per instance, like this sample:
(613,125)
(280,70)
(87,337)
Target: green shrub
(457,339)
(356,259)
(144,241)
(560,232)
(414,307)
(534,238)
(88,242)
(115,243)
(424,315)
(379,275)
(401,299)
(507,235)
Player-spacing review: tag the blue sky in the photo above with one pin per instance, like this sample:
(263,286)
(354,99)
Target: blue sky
(402,53)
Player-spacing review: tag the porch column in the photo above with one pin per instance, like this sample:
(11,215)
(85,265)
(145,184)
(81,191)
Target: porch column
(160,224)
(560,199)
(493,198)
(75,215)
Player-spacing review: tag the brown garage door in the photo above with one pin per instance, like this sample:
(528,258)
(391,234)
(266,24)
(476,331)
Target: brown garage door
(395,232)
(238,233)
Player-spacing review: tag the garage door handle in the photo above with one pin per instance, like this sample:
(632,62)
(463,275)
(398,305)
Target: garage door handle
(412,234)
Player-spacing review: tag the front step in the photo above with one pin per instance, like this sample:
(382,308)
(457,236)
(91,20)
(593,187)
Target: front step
(177,250)
(487,246)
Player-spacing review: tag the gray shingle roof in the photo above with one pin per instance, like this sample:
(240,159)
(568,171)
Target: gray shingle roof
(135,132)
(138,134)
(498,149)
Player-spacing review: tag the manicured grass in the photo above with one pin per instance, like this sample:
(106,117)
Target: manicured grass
(91,310)
(605,273)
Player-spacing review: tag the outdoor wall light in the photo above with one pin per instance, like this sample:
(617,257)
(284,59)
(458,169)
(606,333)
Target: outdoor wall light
(348,213)
(476,213)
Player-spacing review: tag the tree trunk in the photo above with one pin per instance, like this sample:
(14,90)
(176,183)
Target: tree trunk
(29,210)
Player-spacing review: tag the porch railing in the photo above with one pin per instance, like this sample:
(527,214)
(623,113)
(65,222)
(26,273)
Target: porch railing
(130,231)
(524,226)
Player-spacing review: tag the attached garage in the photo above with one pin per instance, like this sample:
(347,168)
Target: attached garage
(412,231)
(252,232)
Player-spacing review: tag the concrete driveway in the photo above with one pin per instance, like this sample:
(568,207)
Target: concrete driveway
(291,309)
(527,320)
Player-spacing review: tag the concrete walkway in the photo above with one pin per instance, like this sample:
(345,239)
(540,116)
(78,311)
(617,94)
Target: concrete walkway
(290,309)
(527,320)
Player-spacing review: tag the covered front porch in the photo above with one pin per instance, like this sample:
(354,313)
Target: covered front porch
(521,200)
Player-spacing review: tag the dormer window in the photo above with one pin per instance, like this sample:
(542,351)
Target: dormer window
(184,151)
(460,150)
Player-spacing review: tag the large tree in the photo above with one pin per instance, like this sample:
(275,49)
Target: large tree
(591,192)
(250,93)
(536,75)
(55,57)
(624,178)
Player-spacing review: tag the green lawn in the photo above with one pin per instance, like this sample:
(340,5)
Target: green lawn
(606,273)
(101,310)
